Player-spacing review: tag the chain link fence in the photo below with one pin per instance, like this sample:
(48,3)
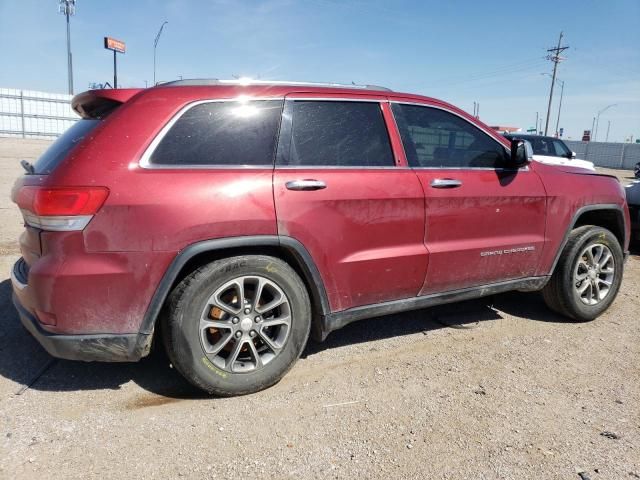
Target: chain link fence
(606,154)
(31,114)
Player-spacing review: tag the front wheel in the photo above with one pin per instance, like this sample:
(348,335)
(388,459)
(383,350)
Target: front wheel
(588,275)
(237,325)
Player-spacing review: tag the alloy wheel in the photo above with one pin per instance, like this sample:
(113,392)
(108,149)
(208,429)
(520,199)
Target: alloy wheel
(594,273)
(245,324)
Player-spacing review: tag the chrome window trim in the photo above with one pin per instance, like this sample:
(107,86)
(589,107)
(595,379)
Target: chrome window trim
(145,159)
(291,98)
(336,167)
(501,169)
(482,129)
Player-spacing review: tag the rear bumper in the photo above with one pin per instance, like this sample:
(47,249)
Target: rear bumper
(88,348)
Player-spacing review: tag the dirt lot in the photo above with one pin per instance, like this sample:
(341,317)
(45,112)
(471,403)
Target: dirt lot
(499,388)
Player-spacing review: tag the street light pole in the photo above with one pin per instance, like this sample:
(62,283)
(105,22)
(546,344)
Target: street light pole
(595,136)
(68,8)
(155,45)
(559,107)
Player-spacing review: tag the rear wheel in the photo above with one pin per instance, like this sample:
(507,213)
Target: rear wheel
(237,325)
(588,275)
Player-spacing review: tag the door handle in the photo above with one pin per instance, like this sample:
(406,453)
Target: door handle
(305,185)
(445,183)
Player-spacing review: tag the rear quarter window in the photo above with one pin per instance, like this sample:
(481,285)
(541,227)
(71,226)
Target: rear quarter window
(62,147)
(222,133)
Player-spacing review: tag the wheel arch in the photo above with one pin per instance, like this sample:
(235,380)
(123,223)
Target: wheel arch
(609,216)
(200,253)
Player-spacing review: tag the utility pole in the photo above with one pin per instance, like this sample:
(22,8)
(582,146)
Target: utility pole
(608,127)
(155,45)
(68,9)
(536,123)
(554,56)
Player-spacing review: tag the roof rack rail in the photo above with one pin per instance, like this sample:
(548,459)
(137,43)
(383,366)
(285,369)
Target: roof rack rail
(242,82)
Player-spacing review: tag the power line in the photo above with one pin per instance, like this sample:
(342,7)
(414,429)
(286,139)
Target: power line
(522,65)
(554,56)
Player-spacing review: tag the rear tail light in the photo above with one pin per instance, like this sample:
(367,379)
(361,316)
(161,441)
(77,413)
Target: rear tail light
(60,209)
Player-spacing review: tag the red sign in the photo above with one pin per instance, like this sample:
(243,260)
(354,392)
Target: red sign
(113,44)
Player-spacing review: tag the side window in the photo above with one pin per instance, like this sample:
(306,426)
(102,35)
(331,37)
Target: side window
(438,139)
(561,149)
(336,134)
(222,133)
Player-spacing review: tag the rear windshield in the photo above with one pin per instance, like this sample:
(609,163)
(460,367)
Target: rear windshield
(59,149)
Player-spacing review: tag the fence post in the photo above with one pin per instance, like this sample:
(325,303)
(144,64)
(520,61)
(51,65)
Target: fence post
(22,111)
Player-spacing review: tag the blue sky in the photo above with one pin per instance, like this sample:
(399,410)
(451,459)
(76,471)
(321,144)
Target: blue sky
(461,51)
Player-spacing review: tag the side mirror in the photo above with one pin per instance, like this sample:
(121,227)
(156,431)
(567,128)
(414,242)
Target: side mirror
(573,155)
(521,152)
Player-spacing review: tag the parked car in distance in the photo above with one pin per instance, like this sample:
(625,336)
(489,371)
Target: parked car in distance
(633,200)
(552,151)
(227,222)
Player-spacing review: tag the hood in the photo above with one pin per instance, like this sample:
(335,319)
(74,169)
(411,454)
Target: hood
(575,162)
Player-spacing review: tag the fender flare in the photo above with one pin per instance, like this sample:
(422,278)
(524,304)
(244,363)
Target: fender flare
(574,220)
(293,246)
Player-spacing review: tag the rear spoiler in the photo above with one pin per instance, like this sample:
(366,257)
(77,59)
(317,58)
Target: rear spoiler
(98,103)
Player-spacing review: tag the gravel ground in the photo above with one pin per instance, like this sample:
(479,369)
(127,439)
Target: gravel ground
(498,388)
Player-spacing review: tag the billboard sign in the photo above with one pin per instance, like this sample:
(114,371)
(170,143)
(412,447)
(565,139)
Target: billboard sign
(115,45)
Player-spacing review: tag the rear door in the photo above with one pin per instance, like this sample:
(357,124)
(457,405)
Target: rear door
(484,222)
(339,191)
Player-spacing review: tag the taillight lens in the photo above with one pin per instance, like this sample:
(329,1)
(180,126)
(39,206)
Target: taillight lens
(63,208)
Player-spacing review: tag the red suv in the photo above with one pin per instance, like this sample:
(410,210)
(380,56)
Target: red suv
(231,221)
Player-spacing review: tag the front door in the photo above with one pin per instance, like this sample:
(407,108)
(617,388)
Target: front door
(338,191)
(484,222)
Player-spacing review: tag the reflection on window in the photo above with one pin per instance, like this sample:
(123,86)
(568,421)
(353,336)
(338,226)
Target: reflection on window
(438,139)
(222,133)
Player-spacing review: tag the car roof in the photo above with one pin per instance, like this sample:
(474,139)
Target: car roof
(528,136)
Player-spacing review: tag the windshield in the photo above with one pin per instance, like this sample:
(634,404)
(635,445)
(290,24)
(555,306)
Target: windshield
(59,149)
(550,147)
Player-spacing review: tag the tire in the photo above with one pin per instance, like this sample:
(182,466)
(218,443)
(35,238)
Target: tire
(562,293)
(636,170)
(258,346)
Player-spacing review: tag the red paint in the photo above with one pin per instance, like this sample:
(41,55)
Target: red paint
(375,235)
